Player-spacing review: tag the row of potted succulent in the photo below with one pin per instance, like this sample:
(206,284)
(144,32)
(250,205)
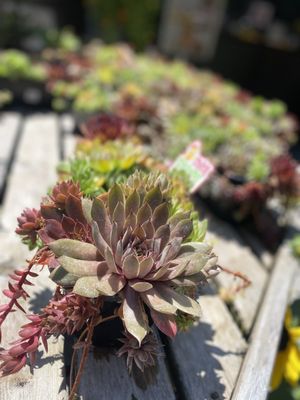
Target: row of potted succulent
(125,248)
(169,104)
(166,105)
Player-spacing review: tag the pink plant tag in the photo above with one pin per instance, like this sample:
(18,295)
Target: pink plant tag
(196,168)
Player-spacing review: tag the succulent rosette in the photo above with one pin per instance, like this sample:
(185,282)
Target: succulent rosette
(140,252)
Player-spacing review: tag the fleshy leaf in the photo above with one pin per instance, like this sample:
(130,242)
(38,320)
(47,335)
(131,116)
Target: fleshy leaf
(159,273)
(149,229)
(131,267)
(179,216)
(62,277)
(114,235)
(160,215)
(110,260)
(187,249)
(74,249)
(154,300)
(99,214)
(98,238)
(140,286)
(163,233)
(130,221)
(119,217)
(135,318)
(154,197)
(132,203)
(74,209)
(110,284)
(198,262)
(87,286)
(165,323)
(50,212)
(115,196)
(183,229)
(171,250)
(146,266)
(180,301)
(80,267)
(144,214)
(87,209)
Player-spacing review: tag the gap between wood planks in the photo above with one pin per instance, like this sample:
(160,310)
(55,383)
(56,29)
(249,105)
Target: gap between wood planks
(10,133)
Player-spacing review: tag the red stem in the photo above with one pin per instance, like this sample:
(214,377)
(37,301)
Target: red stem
(14,301)
(237,274)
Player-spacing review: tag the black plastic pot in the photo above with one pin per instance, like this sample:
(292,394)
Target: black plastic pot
(261,221)
(108,333)
(27,92)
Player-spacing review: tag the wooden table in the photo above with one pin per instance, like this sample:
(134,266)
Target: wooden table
(229,354)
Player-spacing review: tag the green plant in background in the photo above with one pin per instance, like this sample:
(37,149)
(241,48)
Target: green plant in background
(97,166)
(15,64)
(64,39)
(273,109)
(295,245)
(258,169)
(129,20)
(80,170)
(91,100)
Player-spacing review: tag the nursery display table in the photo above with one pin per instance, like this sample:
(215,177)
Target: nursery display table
(229,354)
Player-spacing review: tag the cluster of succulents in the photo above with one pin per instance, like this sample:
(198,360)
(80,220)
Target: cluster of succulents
(135,245)
(97,163)
(15,64)
(167,105)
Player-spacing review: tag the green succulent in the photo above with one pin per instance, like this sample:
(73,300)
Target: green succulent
(295,245)
(14,64)
(80,170)
(258,169)
(140,252)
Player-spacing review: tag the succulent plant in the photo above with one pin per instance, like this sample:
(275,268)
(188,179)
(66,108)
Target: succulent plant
(62,191)
(63,214)
(98,165)
(139,251)
(15,64)
(142,355)
(106,127)
(29,222)
(285,177)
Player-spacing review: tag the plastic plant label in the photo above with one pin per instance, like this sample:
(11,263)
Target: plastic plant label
(196,168)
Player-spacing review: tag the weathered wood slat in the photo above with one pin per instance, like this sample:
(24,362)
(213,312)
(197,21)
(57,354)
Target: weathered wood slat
(34,168)
(69,140)
(9,124)
(208,357)
(265,257)
(258,364)
(234,254)
(107,378)
(32,173)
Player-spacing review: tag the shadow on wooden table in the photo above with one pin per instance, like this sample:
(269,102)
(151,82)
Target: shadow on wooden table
(195,364)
